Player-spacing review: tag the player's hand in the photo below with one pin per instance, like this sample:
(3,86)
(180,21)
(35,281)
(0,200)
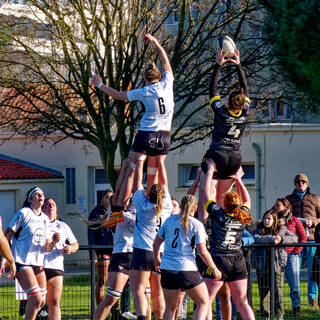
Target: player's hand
(217,274)
(3,266)
(56,237)
(221,57)
(238,175)
(277,239)
(67,249)
(96,80)
(12,270)
(148,37)
(210,164)
(157,264)
(236,59)
(126,162)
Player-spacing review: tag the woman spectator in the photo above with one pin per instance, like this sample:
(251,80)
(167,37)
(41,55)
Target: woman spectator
(98,235)
(271,231)
(178,266)
(293,266)
(227,226)
(53,261)
(152,211)
(28,230)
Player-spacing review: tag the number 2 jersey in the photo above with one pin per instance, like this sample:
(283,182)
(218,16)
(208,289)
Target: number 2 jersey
(226,232)
(147,224)
(228,127)
(178,252)
(158,103)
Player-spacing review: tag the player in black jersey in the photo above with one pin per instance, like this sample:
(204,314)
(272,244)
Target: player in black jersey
(226,227)
(228,126)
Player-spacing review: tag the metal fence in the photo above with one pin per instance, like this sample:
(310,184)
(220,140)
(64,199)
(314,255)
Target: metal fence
(78,301)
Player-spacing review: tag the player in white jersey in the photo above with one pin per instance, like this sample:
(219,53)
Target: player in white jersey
(152,209)
(180,233)
(28,230)
(153,137)
(53,260)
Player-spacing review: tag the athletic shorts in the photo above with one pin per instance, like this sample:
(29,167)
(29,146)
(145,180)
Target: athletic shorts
(152,143)
(142,260)
(185,280)
(232,268)
(120,262)
(51,273)
(36,269)
(227,162)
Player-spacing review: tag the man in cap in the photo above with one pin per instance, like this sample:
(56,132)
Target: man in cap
(306,207)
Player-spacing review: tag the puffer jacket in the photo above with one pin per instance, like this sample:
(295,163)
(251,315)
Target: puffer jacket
(307,207)
(280,254)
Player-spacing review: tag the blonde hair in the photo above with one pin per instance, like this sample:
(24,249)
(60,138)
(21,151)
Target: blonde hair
(232,205)
(156,195)
(189,205)
(152,73)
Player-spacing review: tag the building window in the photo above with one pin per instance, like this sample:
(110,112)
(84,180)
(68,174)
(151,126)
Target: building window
(187,173)
(280,111)
(249,173)
(71,185)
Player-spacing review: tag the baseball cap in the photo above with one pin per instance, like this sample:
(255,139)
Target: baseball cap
(301,176)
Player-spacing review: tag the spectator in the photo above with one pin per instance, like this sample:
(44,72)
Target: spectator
(101,236)
(316,260)
(292,269)
(306,206)
(270,231)
(53,261)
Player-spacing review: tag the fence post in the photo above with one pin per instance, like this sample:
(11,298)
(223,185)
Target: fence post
(272,283)
(93,276)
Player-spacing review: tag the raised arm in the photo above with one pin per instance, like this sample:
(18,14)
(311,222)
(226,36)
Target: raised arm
(194,186)
(118,95)
(241,188)
(138,175)
(166,66)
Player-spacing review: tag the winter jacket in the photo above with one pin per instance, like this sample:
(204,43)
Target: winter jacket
(262,255)
(295,226)
(307,207)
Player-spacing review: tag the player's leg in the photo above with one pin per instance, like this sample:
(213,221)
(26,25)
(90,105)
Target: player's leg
(224,295)
(158,304)
(213,287)
(200,297)
(102,276)
(55,285)
(171,299)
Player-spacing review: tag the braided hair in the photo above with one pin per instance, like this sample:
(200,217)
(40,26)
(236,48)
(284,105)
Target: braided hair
(156,195)
(189,205)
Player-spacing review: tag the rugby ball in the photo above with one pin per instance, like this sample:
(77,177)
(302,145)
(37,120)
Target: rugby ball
(227,44)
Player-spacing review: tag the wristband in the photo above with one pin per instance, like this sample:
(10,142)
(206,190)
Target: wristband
(99,85)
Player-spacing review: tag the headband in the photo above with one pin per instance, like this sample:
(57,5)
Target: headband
(32,192)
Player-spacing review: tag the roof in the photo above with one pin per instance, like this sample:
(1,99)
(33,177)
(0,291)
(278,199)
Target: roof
(11,168)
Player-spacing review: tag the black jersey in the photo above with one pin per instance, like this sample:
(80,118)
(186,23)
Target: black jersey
(228,127)
(226,232)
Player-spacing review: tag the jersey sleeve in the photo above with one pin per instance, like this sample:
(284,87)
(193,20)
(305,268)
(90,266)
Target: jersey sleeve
(138,199)
(167,78)
(200,236)
(69,234)
(135,94)
(17,221)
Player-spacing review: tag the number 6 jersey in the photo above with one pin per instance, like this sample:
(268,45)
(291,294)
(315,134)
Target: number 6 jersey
(158,103)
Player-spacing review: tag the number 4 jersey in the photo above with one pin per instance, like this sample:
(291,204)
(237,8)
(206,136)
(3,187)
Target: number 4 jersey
(158,103)
(226,232)
(178,247)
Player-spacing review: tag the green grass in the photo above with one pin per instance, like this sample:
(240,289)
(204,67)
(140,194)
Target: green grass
(75,302)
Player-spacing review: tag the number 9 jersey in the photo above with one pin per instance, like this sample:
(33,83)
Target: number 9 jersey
(158,102)
(226,232)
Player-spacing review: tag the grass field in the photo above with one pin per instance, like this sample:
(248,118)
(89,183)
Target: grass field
(75,302)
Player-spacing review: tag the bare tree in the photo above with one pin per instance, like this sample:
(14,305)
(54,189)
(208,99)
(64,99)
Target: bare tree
(53,47)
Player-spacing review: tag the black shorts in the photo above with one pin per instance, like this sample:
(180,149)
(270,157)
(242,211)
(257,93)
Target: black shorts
(120,262)
(227,162)
(185,280)
(36,269)
(51,273)
(142,260)
(232,268)
(152,143)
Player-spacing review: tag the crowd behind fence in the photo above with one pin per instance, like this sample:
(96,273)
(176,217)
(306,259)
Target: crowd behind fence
(78,300)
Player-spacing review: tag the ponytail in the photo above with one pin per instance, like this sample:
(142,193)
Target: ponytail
(189,205)
(232,206)
(156,195)
(152,73)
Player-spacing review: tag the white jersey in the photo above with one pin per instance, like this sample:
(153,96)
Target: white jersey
(123,235)
(158,102)
(147,224)
(178,247)
(54,258)
(31,232)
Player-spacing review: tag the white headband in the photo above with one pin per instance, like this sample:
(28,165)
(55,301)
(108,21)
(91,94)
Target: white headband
(32,192)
